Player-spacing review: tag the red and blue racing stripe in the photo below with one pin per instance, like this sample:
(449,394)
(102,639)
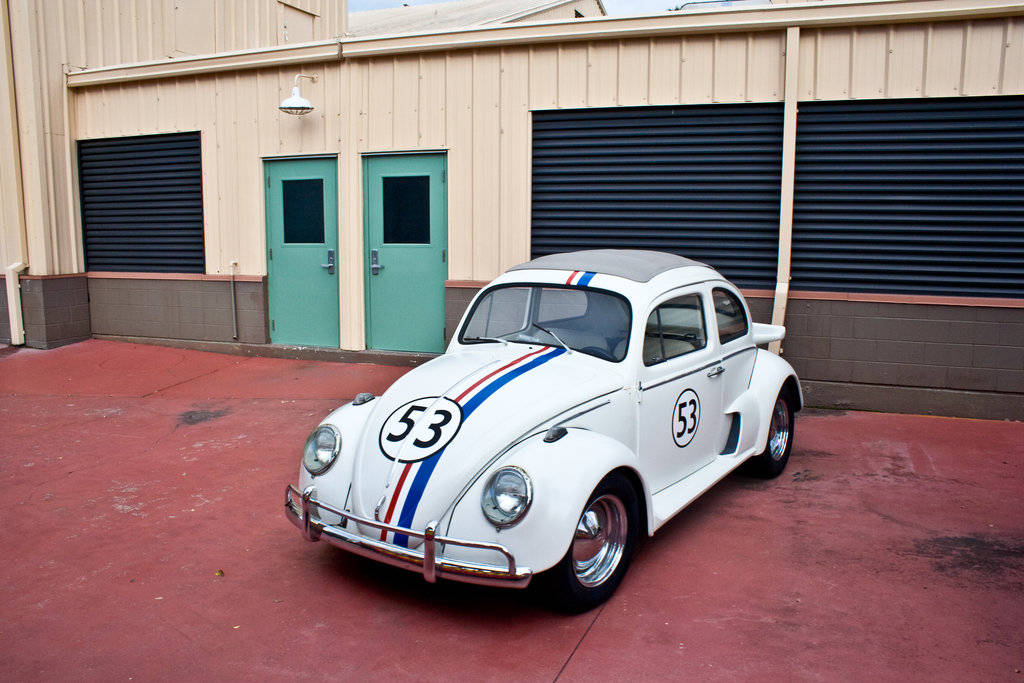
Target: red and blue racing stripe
(477,394)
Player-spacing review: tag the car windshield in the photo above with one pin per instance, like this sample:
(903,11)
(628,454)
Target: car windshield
(589,321)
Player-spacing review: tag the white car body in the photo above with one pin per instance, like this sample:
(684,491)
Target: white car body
(617,416)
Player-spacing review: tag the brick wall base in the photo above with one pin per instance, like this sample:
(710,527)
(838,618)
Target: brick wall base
(54,310)
(5,321)
(197,310)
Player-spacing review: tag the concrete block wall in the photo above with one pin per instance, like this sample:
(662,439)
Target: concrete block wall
(456,301)
(197,310)
(915,358)
(55,311)
(5,323)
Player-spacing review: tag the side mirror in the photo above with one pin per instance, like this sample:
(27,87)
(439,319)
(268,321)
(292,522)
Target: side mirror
(765,334)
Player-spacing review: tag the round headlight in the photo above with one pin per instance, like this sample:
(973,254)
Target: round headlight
(322,448)
(507,496)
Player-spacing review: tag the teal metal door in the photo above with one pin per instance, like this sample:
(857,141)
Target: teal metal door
(406,213)
(302,251)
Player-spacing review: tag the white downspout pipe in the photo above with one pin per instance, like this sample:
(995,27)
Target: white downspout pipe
(788,177)
(14,302)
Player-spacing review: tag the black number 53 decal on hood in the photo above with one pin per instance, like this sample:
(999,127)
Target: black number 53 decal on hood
(420,428)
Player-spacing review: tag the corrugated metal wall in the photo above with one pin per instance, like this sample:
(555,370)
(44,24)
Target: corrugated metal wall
(699,181)
(142,203)
(920,196)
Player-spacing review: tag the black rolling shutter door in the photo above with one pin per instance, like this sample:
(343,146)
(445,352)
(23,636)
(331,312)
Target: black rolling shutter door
(700,181)
(142,203)
(911,196)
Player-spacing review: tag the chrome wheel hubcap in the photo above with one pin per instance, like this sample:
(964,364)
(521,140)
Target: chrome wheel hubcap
(599,540)
(778,432)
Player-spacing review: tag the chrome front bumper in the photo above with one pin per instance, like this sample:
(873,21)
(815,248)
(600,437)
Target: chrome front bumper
(301,509)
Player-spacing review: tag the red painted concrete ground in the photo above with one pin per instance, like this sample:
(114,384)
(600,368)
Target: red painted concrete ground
(891,548)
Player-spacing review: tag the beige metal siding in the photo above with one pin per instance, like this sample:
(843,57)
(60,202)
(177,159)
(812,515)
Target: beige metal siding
(240,124)
(50,37)
(913,60)
(13,246)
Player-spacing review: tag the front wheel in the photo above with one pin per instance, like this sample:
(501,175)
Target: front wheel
(770,463)
(601,548)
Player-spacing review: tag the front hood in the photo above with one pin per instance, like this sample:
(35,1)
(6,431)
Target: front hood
(438,425)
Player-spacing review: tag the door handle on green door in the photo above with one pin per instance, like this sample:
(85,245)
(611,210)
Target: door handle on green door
(375,266)
(330,262)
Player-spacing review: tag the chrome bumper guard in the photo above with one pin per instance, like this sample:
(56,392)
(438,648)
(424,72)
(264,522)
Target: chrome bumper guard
(299,508)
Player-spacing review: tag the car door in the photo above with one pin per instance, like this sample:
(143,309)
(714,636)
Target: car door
(680,390)
(738,350)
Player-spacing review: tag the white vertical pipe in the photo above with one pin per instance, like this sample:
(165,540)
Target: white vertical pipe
(14,303)
(788,178)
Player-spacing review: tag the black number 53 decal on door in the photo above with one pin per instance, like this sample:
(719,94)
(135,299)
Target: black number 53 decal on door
(420,428)
(685,417)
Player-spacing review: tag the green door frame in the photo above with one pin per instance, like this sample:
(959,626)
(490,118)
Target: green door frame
(405,297)
(301,197)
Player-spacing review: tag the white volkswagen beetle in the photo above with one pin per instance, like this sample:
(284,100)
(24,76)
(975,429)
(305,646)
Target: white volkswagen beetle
(585,397)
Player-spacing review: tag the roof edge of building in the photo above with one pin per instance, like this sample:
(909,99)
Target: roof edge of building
(776,17)
(779,17)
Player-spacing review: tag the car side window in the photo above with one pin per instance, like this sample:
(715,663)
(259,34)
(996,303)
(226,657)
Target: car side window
(732,319)
(674,329)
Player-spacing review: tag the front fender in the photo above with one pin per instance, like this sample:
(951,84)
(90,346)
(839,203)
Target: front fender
(332,486)
(755,404)
(564,474)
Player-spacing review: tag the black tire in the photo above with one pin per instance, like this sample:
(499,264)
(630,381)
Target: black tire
(594,565)
(770,463)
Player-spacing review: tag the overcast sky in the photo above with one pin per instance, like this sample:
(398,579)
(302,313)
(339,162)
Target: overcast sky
(614,7)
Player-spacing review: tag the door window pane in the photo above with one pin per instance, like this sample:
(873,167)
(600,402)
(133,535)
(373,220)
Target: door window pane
(303,211)
(407,210)
(732,319)
(675,328)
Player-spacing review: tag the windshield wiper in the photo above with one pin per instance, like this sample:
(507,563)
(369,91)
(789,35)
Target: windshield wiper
(555,336)
(489,339)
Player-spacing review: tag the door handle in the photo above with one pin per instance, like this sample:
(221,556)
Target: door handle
(716,372)
(375,266)
(330,262)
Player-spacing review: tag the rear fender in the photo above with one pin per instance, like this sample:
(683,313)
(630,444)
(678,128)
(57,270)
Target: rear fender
(564,474)
(755,404)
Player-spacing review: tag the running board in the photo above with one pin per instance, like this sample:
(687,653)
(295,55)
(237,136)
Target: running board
(669,501)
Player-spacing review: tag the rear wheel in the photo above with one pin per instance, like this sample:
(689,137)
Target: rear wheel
(601,547)
(773,459)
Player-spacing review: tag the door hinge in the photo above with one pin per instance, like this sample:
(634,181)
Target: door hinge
(268,181)
(272,325)
(270,253)
(444,175)
(444,256)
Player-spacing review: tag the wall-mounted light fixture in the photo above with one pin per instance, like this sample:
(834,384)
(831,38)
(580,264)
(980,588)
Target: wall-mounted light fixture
(297,104)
